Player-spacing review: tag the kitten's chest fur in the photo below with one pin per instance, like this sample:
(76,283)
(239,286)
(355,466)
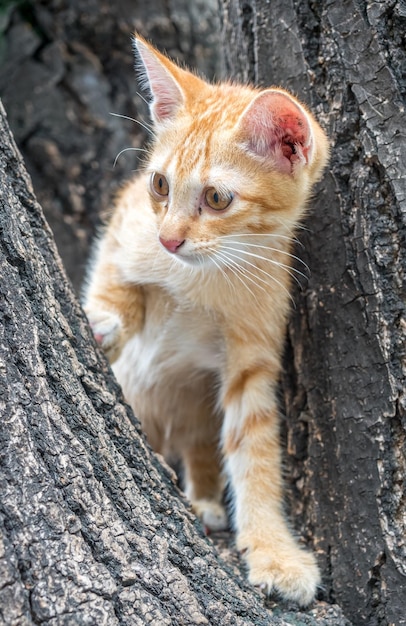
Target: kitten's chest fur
(177,357)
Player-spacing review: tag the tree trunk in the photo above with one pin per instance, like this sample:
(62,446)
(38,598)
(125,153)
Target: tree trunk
(93,530)
(345,363)
(84,505)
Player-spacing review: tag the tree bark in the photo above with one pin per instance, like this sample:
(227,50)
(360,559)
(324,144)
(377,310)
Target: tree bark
(93,529)
(345,364)
(76,478)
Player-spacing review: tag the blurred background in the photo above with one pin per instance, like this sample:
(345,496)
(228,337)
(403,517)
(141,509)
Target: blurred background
(65,66)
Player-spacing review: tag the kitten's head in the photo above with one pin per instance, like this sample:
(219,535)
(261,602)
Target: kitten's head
(227,161)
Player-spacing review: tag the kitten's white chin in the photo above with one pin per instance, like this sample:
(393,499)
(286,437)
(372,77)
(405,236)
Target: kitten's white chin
(194,260)
(191,258)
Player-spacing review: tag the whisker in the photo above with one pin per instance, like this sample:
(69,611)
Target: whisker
(275,235)
(229,254)
(230,266)
(201,264)
(213,259)
(289,254)
(234,268)
(288,268)
(142,98)
(144,125)
(125,150)
(304,228)
(297,225)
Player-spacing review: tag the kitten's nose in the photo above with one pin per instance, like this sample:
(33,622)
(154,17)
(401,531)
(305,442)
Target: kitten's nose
(171,244)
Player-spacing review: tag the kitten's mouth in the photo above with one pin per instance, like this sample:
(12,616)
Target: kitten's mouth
(191,258)
(176,249)
(192,254)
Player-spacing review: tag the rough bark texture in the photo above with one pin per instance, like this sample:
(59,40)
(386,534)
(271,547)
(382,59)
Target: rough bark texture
(93,530)
(345,366)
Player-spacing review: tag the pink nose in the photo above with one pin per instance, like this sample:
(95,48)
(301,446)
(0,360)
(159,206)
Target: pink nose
(171,244)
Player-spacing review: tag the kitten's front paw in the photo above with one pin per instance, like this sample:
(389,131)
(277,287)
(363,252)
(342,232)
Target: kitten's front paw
(212,514)
(108,331)
(291,572)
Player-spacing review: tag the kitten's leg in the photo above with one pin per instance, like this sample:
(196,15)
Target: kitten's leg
(115,310)
(204,484)
(195,436)
(253,460)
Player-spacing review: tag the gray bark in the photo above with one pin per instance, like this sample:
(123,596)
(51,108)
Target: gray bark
(345,364)
(70,467)
(93,530)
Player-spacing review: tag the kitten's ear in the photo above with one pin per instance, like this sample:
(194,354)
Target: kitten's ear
(276,127)
(157,73)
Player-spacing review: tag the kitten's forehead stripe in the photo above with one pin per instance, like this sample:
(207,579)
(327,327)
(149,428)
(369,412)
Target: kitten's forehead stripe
(195,147)
(191,151)
(196,150)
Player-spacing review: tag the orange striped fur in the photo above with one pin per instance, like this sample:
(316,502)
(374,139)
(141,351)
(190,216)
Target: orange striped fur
(190,291)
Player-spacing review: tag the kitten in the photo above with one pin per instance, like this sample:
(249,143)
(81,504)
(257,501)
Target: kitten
(189,296)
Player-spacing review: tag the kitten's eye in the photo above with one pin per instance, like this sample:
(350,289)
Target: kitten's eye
(217,200)
(159,184)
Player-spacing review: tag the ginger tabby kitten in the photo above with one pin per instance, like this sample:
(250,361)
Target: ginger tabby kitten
(189,296)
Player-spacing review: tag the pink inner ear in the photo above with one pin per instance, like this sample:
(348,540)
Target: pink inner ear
(167,96)
(279,129)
